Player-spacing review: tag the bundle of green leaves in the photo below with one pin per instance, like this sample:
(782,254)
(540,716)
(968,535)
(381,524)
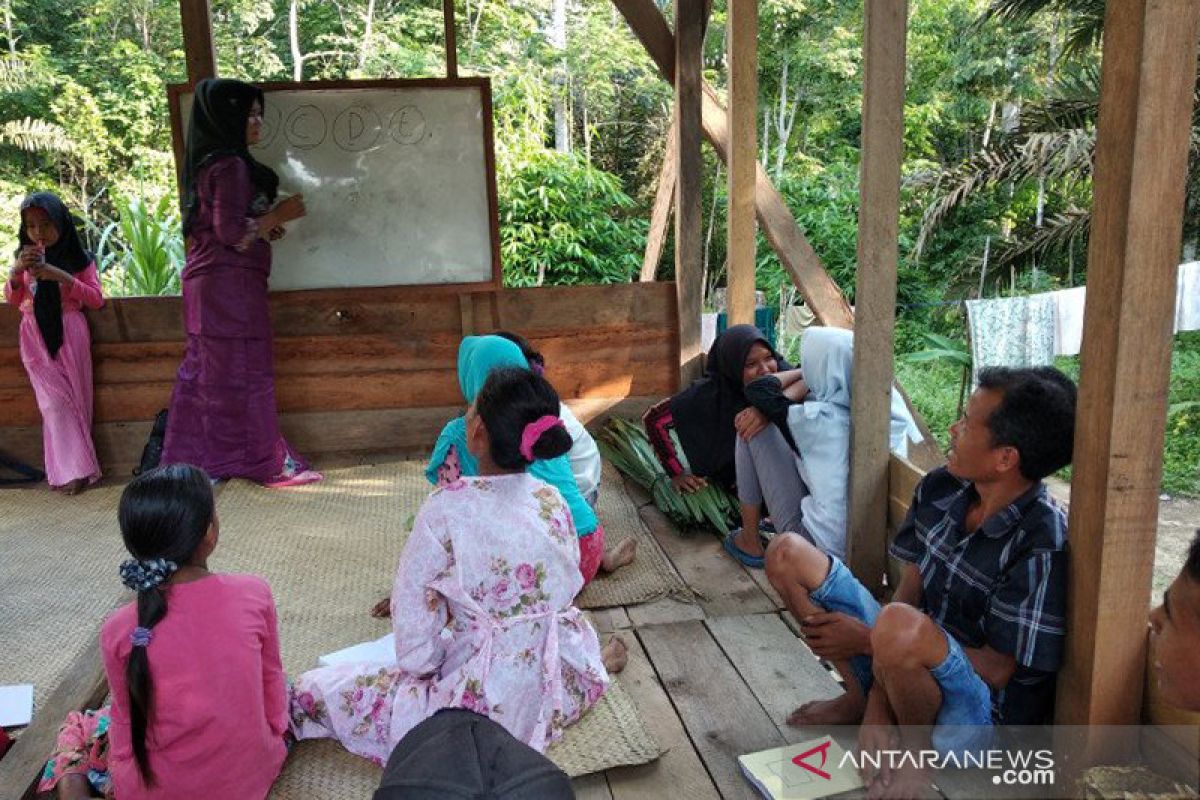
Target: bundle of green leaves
(625,444)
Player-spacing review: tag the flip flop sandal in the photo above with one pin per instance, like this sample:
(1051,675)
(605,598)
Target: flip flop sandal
(752,561)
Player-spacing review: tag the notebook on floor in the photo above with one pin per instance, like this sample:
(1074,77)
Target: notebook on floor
(802,771)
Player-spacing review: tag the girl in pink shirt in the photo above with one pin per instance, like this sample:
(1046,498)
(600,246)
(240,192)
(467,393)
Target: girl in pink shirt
(52,279)
(199,699)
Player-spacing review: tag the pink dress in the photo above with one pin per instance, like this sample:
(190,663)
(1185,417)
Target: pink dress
(220,696)
(62,385)
(483,615)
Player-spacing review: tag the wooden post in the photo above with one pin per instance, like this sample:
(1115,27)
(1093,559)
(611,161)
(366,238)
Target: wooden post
(451,39)
(743,158)
(689,275)
(779,227)
(664,201)
(198,53)
(884,28)
(1147,78)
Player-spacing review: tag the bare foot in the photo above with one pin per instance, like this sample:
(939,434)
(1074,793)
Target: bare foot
(382,609)
(614,655)
(846,709)
(905,783)
(74,487)
(619,556)
(73,786)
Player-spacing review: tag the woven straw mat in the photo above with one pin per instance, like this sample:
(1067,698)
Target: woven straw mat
(58,580)
(651,575)
(329,552)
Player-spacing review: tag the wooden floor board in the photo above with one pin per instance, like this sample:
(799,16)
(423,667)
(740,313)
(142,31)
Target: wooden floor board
(721,584)
(591,787)
(721,715)
(777,666)
(665,610)
(678,772)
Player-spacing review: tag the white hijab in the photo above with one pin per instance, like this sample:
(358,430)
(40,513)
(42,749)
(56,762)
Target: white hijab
(820,427)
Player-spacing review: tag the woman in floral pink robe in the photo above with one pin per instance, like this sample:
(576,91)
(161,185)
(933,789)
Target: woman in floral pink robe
(483,616)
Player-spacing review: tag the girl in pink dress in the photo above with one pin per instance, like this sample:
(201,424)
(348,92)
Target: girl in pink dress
(52,279)
(199,698)
(482,606)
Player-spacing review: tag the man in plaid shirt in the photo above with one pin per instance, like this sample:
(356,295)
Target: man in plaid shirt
(974,633)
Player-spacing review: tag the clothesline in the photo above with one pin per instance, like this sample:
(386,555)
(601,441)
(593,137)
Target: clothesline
(1031,330)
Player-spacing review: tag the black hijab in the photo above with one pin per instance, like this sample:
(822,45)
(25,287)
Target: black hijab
(220,111)
(704,411)
(67,254)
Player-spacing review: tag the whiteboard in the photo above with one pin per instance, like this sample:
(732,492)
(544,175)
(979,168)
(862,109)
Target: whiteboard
(397,177)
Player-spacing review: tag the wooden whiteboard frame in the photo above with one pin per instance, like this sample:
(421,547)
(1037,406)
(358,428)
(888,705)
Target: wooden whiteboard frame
(175,92)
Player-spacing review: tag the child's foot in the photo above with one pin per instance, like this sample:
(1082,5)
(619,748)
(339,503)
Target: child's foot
(382,609)
(846,709)
(619,556)
(614,655)
(74,487)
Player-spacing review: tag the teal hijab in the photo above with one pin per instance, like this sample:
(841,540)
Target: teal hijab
(477,357)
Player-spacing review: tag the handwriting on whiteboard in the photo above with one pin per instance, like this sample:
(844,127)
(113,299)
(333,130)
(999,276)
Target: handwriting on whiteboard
(353,129)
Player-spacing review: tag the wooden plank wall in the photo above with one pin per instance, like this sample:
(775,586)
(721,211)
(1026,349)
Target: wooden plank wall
(367,370)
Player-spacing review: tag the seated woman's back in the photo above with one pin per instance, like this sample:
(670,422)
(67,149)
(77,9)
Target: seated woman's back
(493,562)
(219,696)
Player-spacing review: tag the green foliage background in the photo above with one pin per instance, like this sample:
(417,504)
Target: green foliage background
(999,121)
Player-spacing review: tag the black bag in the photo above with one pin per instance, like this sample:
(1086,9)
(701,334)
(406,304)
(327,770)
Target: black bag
(152,452)
(27,473)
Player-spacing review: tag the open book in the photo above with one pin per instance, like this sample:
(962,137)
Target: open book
(801,771)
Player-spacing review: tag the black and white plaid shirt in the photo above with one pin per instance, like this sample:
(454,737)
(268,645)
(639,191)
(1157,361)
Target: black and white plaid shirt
(1003,585)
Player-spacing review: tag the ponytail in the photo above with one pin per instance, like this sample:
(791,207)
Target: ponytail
(164,514)
(152,607)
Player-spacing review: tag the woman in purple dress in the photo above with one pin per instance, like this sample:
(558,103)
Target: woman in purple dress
(222,416)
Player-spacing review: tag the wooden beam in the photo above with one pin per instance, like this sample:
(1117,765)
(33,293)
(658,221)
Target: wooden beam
(664,201)
(742,30)
(451,39)
(820,293)
(689,183)
(198,53)
(1147,79)
(884,29)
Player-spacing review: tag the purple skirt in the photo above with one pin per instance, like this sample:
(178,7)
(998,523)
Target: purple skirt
(222,416)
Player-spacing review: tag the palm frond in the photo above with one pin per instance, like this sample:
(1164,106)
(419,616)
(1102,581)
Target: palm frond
(36,136)
(1059,233)
(14,73)
(1053,155)
(1085,18)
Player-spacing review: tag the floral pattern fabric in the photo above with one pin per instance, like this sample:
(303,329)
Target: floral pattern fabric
(81,749)
(483,616)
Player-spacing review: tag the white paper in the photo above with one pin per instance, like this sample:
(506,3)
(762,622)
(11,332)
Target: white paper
(16,705)
(380,651)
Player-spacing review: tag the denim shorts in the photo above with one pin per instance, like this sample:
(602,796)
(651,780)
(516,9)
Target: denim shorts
(965,718)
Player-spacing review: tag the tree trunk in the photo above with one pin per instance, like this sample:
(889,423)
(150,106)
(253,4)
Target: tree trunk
(294,40)
(558,40)
(8,27)
(366,39)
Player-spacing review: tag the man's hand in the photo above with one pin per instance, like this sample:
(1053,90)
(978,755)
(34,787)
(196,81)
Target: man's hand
(873,738)
(688,483)
(877,732)
(836,636)
(750,422)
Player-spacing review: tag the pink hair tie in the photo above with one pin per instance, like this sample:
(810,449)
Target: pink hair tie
(534,430)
